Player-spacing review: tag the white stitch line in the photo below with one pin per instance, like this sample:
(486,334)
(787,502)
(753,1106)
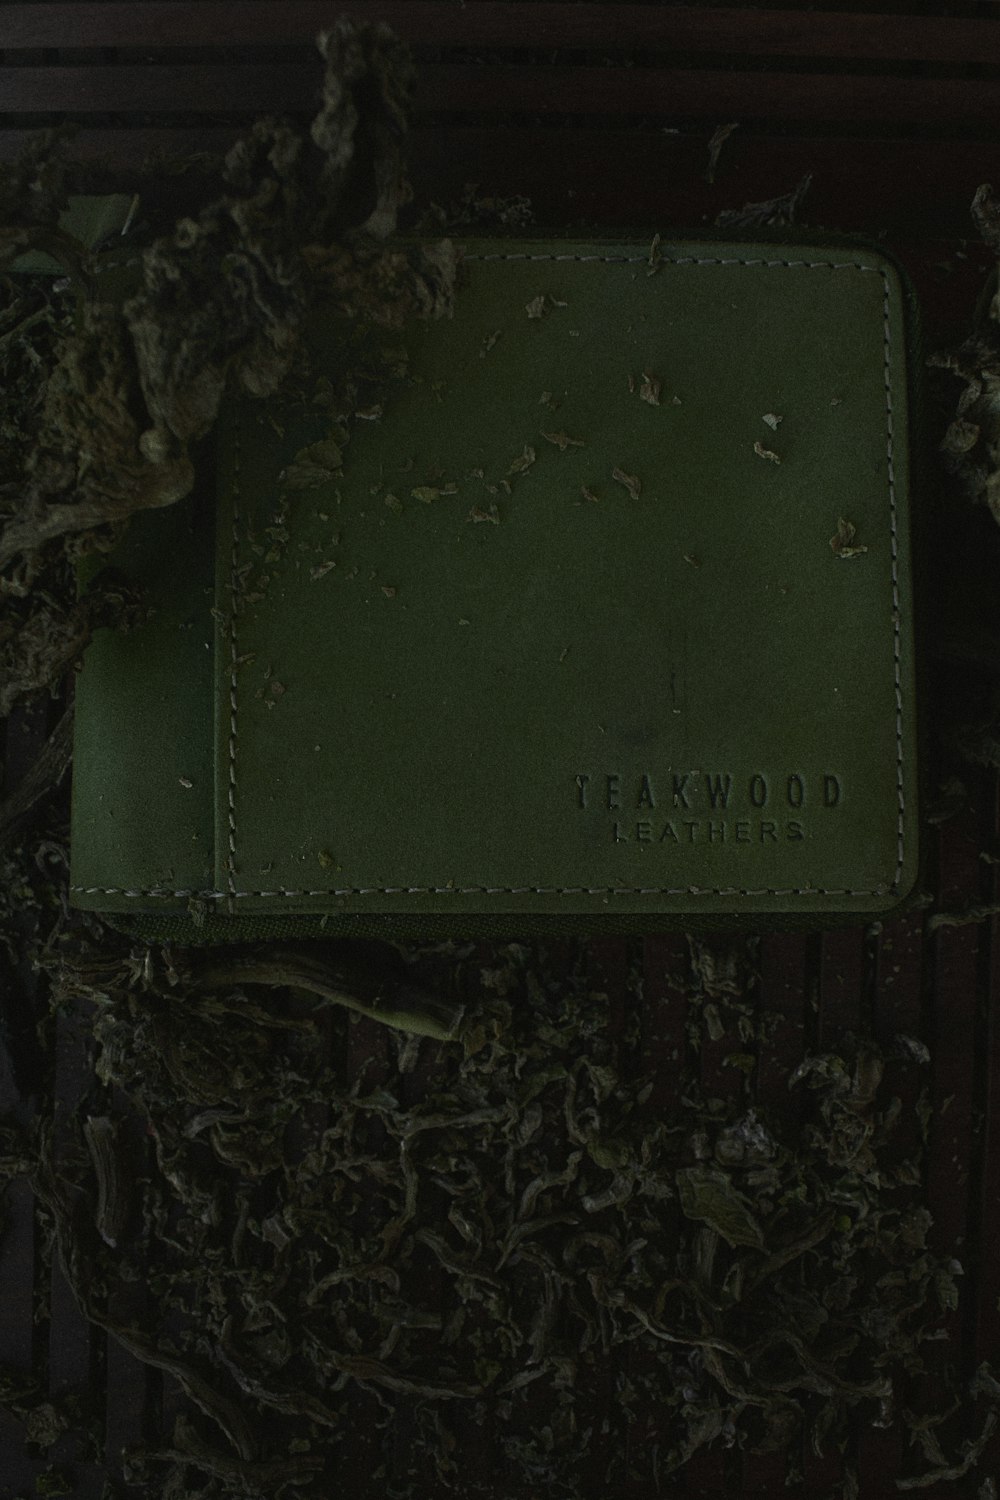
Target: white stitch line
(485,890)
(685,260)
(894,550)
(572,890)
(233,584)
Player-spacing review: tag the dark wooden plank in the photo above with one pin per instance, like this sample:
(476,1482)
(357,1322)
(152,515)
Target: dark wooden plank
(663,1022)
(503,88)
(706,1477)
(871,184)
(781,1030)
(842,977)
(779,1025)
(493,23)
(17,1274)
(766,1474)
(21,1475)
(16,1469)
(27,730)
(897,1013)
(72,1337)
(169,88)
(70,1333)
(130,1384)
(126,1379)
(900,1025)
(475,1461)
(987,1333)
(788,1024)
(712,1007)
(613,1449)
(663,1047)
(427,1068)
(708,94)
(363,1455)
(952,1027)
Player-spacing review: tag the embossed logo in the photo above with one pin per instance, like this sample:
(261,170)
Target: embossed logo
(727,807)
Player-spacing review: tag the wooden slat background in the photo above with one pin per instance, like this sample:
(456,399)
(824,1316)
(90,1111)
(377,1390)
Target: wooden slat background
(601,115)
(549,99)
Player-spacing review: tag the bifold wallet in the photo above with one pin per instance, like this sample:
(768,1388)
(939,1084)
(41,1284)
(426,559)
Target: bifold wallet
(600,621)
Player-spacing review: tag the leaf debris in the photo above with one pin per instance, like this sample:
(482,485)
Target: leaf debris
(428,492)
(650,389)
(843,541)
(562,440)
(763,452)
(522,464)
(630,481)
(540,305)
(720,135)
(709,1195)
(776,1281)
(313,465)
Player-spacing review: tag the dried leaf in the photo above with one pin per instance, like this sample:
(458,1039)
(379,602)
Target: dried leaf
(630,481)
(709,1196)
(563,441)
(842,542)
(720,135)
(428,493)
(774,211)
(650,389)
(523,464)
(313,465)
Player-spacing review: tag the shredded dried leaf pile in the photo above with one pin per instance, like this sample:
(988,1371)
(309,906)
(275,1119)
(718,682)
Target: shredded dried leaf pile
(472,1237)
(109,402)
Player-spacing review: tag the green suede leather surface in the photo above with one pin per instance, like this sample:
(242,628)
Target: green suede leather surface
(143,763)
(510,707)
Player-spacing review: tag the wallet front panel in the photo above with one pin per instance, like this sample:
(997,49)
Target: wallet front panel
(606,608)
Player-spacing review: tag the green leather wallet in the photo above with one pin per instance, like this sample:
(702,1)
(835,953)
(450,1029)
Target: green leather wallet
(601,622)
